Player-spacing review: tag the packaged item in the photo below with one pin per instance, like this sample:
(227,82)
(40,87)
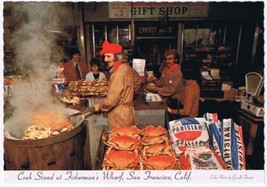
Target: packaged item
(226,139)
(58,77)
(201,159)
(188,133)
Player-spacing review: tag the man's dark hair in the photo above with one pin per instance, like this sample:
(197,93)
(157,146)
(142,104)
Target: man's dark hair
(191,70)
(95,61)
(73,51)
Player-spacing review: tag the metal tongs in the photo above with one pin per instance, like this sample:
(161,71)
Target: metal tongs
(86,113)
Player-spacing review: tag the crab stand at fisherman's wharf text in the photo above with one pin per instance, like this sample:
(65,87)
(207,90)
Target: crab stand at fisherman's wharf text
(128,176)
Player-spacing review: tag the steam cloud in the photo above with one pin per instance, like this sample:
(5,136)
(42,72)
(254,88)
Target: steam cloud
(35,50)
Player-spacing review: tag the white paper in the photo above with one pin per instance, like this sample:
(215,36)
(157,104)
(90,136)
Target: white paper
(206,75)
(152,97)
(215,73)
(139,66)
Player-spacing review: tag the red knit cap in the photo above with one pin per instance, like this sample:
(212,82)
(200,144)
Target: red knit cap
(110,48)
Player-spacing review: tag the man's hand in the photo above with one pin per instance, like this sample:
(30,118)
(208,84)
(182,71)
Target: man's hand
(97,107)
(152,78)
(172,111)
(152,88)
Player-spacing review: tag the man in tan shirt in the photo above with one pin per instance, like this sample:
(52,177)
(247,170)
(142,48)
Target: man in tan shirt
(190,94)
(171,80)
(119,101)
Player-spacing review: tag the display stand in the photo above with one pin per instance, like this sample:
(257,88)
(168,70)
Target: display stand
(253,133)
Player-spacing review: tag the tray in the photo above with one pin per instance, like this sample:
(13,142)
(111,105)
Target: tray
(152,98)
(101,151)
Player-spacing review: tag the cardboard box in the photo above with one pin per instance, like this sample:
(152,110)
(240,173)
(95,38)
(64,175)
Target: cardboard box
(227,86)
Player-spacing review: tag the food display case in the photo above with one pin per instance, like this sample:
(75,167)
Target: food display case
(149,149)
(215,46)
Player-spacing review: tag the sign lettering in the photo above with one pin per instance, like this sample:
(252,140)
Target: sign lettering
(156,10)
(152,30)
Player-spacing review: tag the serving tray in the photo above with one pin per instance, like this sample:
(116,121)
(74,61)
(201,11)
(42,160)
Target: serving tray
(152,98)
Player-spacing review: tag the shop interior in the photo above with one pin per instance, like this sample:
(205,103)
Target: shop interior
(226,39)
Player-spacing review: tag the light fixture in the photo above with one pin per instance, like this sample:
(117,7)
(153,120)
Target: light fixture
(54,31)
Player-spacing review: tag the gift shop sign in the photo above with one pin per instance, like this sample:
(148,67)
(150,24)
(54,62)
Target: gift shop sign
(156,10)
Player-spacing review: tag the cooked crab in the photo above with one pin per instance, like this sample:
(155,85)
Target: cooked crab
(123,142)
(153,131)
(120,160)
(159,162)
(159,148)
(126,130)
(148,140)
(56,121)
(61,126)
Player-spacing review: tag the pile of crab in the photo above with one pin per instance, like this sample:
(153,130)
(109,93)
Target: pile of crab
(132,148)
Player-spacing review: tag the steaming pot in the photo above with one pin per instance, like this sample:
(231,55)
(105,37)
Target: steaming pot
(62,152)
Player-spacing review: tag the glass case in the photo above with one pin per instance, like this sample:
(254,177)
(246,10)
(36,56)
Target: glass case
(99,35)
(114,33)
(152,39)
(215,47)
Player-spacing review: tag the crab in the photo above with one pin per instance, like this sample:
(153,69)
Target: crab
(120,160)
(61,126)
(159,148)
(56,121)
(153,131)
(159,162)
(123,142)
(126,130)
(148,140)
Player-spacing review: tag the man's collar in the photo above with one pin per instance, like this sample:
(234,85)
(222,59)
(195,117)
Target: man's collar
(115,67)
(171,68)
